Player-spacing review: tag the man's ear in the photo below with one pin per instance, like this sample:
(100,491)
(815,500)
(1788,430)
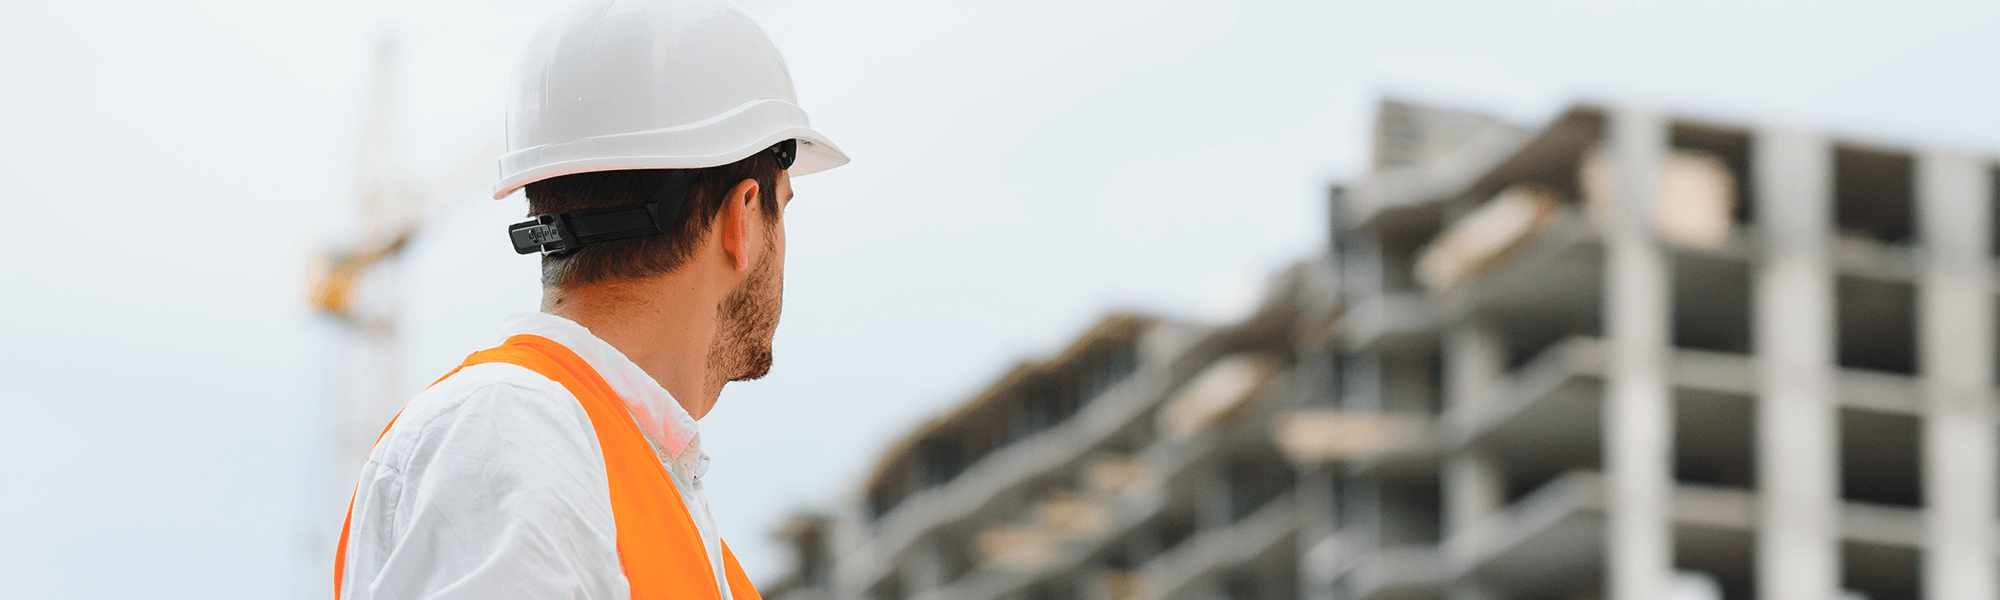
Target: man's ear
(738,210)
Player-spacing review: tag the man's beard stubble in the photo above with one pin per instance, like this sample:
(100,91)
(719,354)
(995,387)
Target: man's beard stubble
(747,318)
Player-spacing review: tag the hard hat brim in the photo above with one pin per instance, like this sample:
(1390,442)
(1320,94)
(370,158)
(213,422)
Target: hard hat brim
(634,150)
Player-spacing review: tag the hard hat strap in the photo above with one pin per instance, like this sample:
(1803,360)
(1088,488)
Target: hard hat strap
(561,233)
(786,152)
(556,234)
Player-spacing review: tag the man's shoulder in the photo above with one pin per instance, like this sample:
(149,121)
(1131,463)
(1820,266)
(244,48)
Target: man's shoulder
(481,410)
(474,460)
(486,381)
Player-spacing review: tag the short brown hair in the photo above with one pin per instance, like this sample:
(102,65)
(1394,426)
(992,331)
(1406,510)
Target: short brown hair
(657,254)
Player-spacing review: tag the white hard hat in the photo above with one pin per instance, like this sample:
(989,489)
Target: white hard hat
(651,84)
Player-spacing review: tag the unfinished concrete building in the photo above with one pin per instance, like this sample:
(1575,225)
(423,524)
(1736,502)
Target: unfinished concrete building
(1625,355)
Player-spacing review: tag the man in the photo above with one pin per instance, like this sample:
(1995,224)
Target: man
(656,140)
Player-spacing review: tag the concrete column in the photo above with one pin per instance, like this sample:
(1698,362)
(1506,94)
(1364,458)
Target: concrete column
(1364,383)
(1142,546)
(1214,506)
(1316,377)
(924,570)
(1474,483)
(1336,217)
(1638,406)
(1474,487)
(1316,503)
(852,531)
(1361,276)
(1955,350)
(1474,359)
(1316,521)
(1470,590)
(1408,383)
(1215,587)
(1362,512)
(1798,425)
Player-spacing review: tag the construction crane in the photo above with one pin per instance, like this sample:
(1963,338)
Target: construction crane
(358,288)
(356,282)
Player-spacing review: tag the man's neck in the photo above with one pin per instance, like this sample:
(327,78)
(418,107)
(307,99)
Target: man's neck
(663,324)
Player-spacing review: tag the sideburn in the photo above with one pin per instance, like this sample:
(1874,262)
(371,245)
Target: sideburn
(746,321)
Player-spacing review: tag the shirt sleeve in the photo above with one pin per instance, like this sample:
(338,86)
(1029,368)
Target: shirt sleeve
(498,491)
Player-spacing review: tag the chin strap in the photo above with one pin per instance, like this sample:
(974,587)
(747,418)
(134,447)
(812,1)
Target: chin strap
(556,234)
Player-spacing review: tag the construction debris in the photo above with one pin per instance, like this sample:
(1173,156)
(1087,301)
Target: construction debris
(1065,515)
(1120,584)
(1109,475)
(1329,435)
(1062,515)
(1214,395)
(1696,196)
(1486,237)
(1010,547)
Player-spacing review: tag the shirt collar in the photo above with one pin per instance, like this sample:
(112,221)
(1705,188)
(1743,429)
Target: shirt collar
(673,432)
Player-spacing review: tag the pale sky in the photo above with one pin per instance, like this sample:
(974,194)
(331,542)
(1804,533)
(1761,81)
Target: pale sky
(1020,168)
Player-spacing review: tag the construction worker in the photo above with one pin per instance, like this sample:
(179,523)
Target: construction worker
(656,140)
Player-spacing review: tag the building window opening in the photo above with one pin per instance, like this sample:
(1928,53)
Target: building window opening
(1726,557)
(1993,201)
(1529,336)
(1052,590)
(1435,359)
(1119,558)
(938,462)
(1176,527)
(1243,584)
(1414,380)
(1360,382)
(808,536)
(1256,480)
(1567,440)
(1732,147)
(884,497)
(1411,511)
(1041,407)
(1107,371)
(1336,218)
(1877,325)
(1713,436)
(1879,458)
(1053,399)
(1401,246)
(1872,195)
(1336,379)
(1331,499)
(1879,572)
(891,588)
(1711,304)
(954,562)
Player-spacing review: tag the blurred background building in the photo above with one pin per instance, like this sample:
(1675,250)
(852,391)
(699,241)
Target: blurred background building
(1625,354)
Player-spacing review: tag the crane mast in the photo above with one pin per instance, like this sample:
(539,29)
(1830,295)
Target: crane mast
(356,287)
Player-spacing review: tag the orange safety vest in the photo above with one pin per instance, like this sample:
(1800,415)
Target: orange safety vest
(658,546)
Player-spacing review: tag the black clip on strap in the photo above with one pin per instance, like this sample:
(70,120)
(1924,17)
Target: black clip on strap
(546,234)
(786,152)
(560,233)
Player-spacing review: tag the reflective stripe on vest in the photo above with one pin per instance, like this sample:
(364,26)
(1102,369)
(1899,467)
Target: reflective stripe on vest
(659,548)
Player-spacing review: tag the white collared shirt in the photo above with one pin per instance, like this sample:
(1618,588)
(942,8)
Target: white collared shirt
(491,483)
